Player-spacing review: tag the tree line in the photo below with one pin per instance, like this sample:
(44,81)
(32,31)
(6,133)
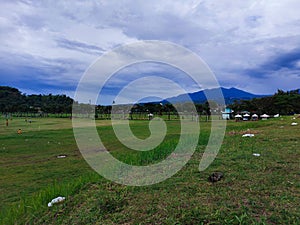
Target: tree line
(12,100)
(282,102)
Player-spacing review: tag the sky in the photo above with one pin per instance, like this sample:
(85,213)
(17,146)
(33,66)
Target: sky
(47,46)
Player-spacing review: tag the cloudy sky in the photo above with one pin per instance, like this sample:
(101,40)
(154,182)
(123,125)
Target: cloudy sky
(254,45)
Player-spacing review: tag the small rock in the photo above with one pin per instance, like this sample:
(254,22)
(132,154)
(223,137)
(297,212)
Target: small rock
(216,176)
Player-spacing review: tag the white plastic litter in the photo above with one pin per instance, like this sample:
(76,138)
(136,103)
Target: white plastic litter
(61,156)
(56,200)
(294,124)
(248,135)
(256,154)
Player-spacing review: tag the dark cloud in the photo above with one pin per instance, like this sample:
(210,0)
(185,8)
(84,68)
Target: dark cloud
(286,61)
(39,74)
(79,46)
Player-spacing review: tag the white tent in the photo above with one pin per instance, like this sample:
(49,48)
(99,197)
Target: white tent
(246,116)
(264,116)
(238,116)
(254,117)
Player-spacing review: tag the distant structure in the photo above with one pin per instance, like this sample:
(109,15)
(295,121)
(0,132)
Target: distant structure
(246,117)
(264,117)
(254,117)
(238,117)
(227,114)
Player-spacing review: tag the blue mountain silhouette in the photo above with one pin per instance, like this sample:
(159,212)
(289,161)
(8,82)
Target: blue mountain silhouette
(230,95)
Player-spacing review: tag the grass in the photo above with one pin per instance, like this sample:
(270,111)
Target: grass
(255,190)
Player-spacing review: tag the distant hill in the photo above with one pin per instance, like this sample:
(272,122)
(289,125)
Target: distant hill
(230,95)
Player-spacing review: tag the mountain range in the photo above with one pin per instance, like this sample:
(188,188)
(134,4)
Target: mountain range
(230,95)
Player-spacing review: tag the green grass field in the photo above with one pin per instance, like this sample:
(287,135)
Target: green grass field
(255,190)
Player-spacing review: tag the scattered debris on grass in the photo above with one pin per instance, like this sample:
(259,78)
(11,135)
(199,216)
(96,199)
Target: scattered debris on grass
(177,155)
(256,154)
(56,201)
(216,176)
(61,156)
(294,124)
(248,135)
(231,133)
